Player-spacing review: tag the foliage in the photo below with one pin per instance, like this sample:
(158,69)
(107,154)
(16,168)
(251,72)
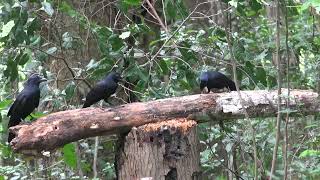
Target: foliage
(159,64)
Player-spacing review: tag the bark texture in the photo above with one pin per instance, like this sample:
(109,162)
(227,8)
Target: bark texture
(57,129)
(161,151)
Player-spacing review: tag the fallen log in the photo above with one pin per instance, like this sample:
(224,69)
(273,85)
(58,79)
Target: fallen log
(57,129)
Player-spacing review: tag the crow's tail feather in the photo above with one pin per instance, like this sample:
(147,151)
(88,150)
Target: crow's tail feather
(13,122)
(10,137)
(232,85)
(86,104)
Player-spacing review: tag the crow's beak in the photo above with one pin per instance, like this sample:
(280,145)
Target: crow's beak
(43,80)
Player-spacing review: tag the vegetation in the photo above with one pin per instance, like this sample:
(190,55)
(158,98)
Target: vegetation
(161,47)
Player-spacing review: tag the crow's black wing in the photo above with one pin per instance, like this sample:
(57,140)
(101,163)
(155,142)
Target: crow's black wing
(14,112)
(111,89)
(25,103)
(95,94)
(20,100)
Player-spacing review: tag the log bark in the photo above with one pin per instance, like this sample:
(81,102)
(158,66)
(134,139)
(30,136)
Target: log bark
(160,151)
(57,129)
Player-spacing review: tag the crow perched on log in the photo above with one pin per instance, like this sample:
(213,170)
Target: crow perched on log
(103,90)
(26,101)
(217,80)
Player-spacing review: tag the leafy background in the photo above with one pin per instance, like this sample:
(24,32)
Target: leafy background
(75,43)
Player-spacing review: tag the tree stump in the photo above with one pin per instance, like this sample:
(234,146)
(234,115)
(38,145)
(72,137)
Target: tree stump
(166,150)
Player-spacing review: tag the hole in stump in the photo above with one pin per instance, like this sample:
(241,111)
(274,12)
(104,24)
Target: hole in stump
(172,174)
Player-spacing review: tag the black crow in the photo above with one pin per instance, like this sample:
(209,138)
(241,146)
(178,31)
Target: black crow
(103,89)
(217,80)
(26,101)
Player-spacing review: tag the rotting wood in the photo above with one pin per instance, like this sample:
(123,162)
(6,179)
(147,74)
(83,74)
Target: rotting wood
(162,150)
(57,129)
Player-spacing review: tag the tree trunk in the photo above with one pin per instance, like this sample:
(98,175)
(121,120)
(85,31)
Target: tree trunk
(161,151)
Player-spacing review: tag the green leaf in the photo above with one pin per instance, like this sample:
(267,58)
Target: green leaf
(5,150)
(11,70)
(7,28)
(67,40)
(272,81)
(164,66)
(261,75)
(184,84)
(20,36)
(233,3)
(47,8)
(38,115)
(92,65)
(171,11)
(70,90)
(35,40)
(309,153)
(24,58)
(51,50)
(143,74)
(116,42)
(305,5)
(23,17)
(229,147)
(133,2)
(255,5)
(66,8)
(33,26)
(41,56)
(69,155)
(5,103)
(125,35)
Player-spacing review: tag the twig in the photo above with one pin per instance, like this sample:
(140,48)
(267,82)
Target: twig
(64,60)
(131,90)
(175,32)
(234,69)
(285,177)
(74,76)
(275,150)
(164,14)
(222,163)
(78,154)
(154,12)
(95,156)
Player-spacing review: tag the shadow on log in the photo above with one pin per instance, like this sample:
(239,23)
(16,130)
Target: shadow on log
(57,129)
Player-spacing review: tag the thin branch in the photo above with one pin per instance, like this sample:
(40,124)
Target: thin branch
(78,154)
(285,177)
(154,12)
(95,157)
(64,60)
(234,69)
(175,32)
(222,163)
(164,13)
(275,150)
